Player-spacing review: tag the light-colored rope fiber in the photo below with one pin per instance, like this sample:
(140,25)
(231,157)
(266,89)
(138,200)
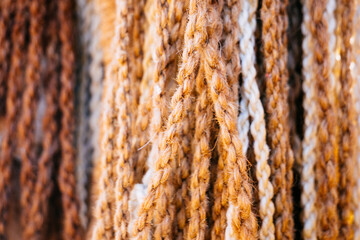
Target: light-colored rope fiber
(250,91)
(308,196)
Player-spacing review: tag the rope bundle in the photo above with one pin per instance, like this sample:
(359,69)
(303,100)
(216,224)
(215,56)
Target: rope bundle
(179,119)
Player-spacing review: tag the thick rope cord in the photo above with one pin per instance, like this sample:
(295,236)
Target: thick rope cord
(326,167)
(27,119)
(347,133)
(7,7)
(13,103)
(162,50)
(284,75)
(231,52)
(66,177)
(311,122)
(221,211)
(200,173)
(145,159)
(243,220)
(247,24)
(195,37)
(356,75)
(143,116)
(104,217)
(220,205)
(124,98)
(177,19)
(171,19)
(276,94)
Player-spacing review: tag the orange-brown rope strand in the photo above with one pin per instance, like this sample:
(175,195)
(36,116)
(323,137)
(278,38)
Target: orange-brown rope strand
(326,169)
(347,148)
(195,37)
(124,157)
(27,119)
(273,14)
(243,221)
(13,103)
(6,9)
(200,173)
(66,177)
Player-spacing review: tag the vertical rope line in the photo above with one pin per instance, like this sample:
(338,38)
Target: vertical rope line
(247,24)
(220,206)
(124,169)
(327,175)
(200,173)
(347,117)
(310,141)
(13,103)
(143,118)
(27,119)
(195,37)
(7,7)
(281,158)
(231,52)
(66,177)
(243,221)
(284,75)
(177,20)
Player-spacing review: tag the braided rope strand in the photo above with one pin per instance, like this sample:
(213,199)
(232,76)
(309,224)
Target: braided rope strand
(309,144)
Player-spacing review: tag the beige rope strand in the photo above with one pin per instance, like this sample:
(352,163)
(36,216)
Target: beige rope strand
(247,23)
(309,155)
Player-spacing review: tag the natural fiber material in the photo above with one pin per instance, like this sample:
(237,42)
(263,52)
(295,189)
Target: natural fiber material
(195,119)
